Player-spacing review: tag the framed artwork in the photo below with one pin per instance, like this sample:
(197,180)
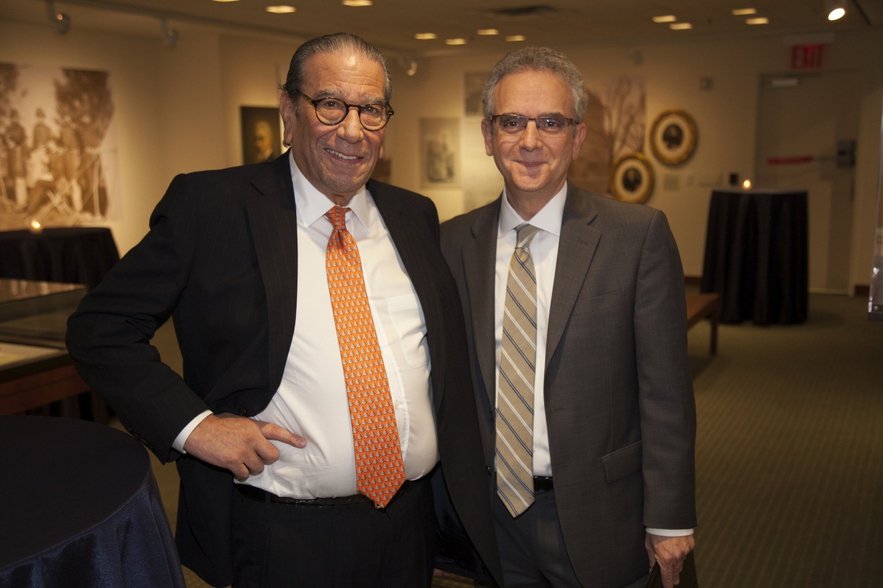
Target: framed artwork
(261,133)
(673,137)
(473,86)
(440,152)
(631,179)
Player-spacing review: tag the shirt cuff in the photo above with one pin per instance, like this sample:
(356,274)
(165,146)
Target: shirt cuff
(182,437)
(670,532)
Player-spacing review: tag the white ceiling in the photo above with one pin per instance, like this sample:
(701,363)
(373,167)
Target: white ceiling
(391,24)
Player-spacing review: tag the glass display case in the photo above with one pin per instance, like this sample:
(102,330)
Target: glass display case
(35,368)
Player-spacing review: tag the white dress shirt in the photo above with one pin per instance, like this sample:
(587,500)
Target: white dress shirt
(311,400)
(544,252)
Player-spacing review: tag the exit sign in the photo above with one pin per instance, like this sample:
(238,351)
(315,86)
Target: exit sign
(805,57)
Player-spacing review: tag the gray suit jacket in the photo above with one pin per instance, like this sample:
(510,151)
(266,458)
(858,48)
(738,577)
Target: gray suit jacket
(618,392)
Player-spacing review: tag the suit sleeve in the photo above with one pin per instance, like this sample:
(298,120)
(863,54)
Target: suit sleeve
(109,335)
(668,413)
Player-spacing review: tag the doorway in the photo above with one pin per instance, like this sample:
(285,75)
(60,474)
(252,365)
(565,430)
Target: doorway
(803,120)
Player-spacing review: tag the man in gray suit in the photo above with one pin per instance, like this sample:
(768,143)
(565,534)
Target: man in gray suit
(575,312)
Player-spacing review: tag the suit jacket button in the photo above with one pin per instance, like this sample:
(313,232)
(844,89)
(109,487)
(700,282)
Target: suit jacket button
(243,412)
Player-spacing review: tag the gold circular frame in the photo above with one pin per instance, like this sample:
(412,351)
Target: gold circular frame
(673,136)
(631,178)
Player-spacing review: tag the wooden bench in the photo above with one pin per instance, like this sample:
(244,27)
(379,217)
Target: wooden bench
(704,306)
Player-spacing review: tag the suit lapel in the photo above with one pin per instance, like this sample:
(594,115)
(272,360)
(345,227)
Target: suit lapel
(273,221)
(410,243)
(576,248)
(479,263)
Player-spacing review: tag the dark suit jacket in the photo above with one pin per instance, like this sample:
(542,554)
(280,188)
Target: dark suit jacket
(221,255)
(618,392)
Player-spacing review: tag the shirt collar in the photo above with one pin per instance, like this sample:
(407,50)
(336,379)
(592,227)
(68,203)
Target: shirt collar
(548,219)
(312,204)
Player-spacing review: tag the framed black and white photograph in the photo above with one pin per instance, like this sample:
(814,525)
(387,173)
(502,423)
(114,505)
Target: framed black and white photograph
(261,133)
(631,179)
(58,147)
(440,152)
(473,87)
(673,137)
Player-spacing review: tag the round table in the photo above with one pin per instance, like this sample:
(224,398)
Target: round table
(79,506)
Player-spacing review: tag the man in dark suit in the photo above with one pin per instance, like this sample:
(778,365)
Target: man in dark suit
(575,314)
(248,261)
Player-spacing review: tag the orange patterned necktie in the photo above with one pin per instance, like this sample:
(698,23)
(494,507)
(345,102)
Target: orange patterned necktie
(380,470)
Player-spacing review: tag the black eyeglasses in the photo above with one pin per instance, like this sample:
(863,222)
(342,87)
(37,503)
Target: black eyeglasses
(332,111)
(514,124)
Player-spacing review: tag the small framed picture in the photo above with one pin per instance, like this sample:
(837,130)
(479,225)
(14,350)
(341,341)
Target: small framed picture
(673,137)
(261,133)
(631,179)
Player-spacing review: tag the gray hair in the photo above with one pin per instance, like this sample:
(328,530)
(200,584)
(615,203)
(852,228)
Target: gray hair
(334,43)
(536,59)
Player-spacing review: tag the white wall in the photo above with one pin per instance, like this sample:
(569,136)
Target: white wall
(178,110)
(725,116)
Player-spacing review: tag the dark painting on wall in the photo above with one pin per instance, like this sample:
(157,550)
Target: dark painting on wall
(261,133)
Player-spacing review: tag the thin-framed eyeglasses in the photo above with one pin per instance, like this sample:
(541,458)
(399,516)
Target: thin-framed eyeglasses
(332,111)
(515,124)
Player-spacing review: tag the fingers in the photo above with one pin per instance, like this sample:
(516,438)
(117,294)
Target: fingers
(277,433)
(670,552)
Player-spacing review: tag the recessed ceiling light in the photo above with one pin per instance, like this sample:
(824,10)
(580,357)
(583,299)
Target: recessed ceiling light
(665,18)
(458,41)
(281,9)
(515,38)
(757,21)
(487,32)
(226,0)
(425,36)
(357,3)
(837,13)
(680,26)
(743,11)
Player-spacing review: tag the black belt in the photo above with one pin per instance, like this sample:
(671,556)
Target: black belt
(259,495)
(543,483)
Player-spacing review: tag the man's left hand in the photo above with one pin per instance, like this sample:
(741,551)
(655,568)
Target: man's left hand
(670,553)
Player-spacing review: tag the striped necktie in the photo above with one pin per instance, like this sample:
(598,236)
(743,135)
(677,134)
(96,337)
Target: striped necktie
(380,469)
(514,446)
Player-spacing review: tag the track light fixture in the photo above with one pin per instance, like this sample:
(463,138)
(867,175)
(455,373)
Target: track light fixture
(169,35)
(61,21)
(407,63)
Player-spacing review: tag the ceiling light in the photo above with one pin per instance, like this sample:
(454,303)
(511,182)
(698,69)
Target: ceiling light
(515,38)
(743,11)
(757,21)
(836,9)
(281,9)
(665,18)
(487,32)
(457,41)
(425,36)
(680,26)
(357,3)
(225,0)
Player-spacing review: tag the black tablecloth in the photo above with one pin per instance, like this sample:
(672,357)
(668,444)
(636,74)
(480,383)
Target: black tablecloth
(74,255)
(79,507)
(756,252)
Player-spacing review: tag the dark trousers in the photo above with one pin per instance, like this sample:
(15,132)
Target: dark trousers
(339,546)
(532,547)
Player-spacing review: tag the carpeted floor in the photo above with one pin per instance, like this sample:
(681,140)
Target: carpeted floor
(789,452)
